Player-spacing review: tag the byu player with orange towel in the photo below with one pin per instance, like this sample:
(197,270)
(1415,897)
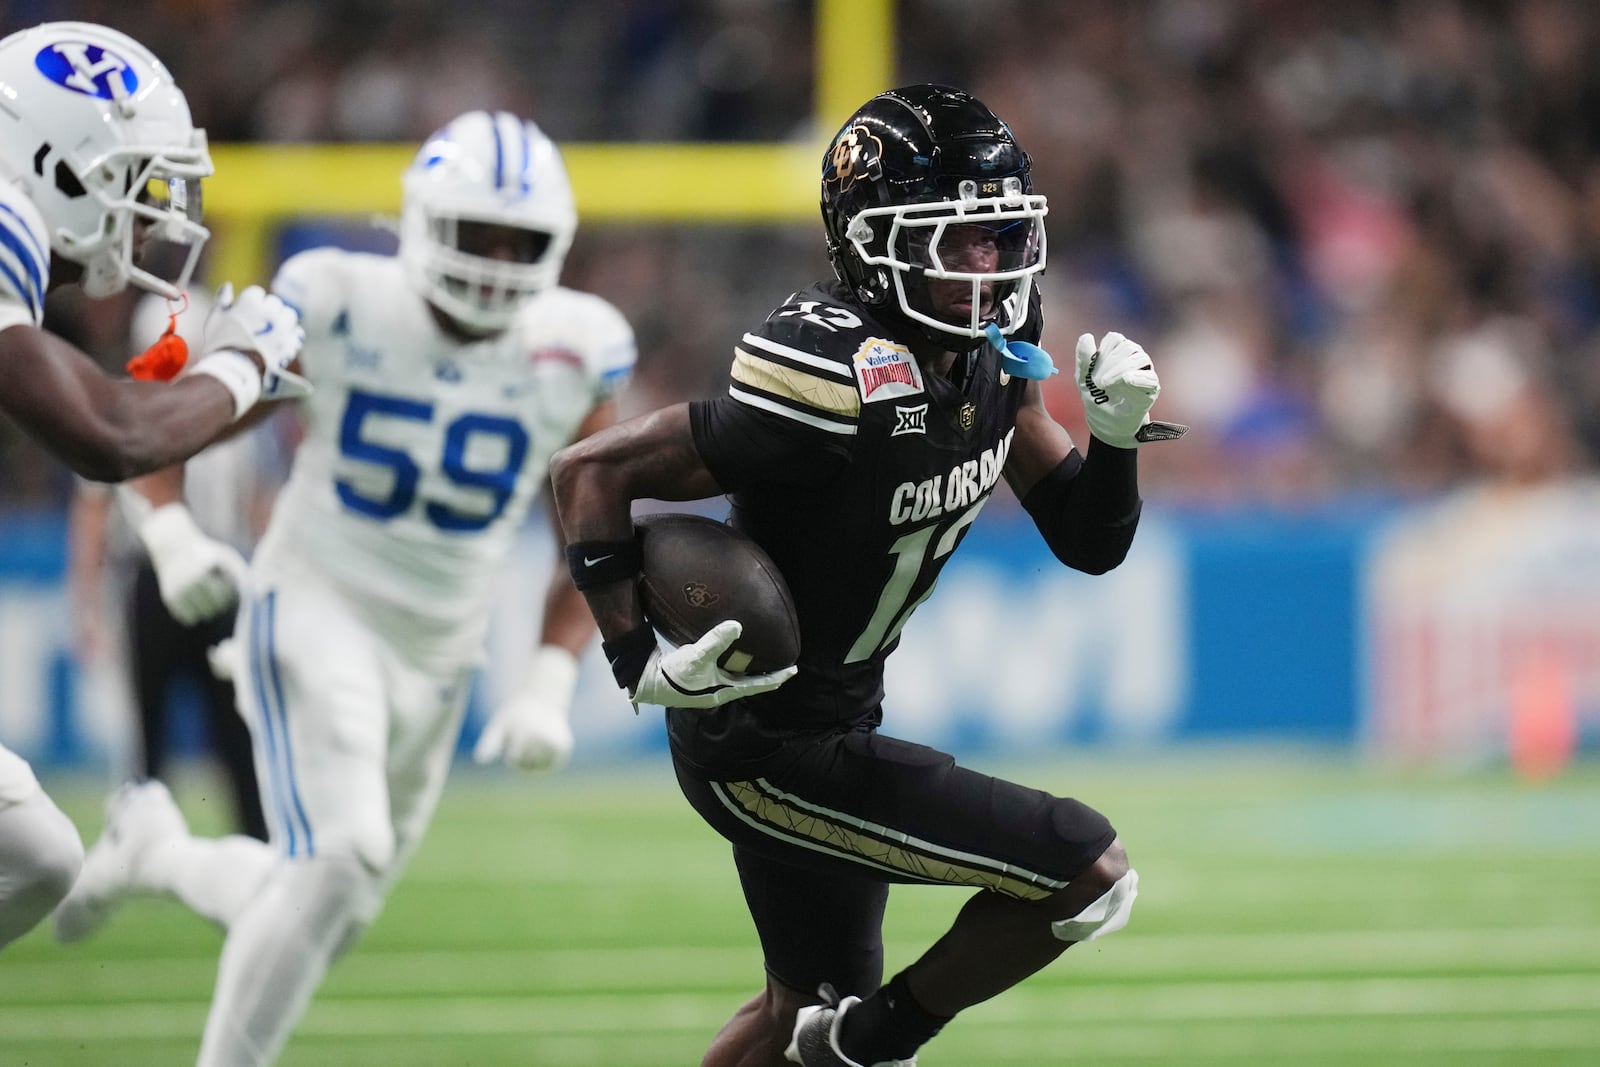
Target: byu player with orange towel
(98,154)
(446,377)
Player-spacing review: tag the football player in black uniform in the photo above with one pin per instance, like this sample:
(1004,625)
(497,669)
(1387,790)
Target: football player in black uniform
(867,421)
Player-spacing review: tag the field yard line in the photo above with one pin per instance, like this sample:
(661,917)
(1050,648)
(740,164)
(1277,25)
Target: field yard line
(1276,998)
(1318,951)
(1233,1044)
(1496,996)
(1177,878)
(1314,954)
(1130,954)
(1489,893)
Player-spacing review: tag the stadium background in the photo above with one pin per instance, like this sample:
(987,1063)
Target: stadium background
(1343,697)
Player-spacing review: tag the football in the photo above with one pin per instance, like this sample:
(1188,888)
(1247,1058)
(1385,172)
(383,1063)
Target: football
(698,572)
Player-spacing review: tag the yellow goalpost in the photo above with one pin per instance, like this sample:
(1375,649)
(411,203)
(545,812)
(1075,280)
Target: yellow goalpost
(257,186)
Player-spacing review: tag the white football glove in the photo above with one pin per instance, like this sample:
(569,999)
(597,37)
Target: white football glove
(199,577)
(530,729)
(226,659)
(1119,387)
(688,676)
(255,321)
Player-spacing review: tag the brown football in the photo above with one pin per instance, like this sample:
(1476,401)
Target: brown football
(698,572)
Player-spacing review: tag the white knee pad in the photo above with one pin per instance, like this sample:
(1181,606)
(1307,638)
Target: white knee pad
(40,856)
(57,852)
(1108,914)
(341,897)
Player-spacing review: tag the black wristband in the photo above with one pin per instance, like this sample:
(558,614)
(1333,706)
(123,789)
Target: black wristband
(597,563)
(629,653)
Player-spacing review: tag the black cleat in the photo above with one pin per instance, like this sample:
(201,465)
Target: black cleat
(816,1035)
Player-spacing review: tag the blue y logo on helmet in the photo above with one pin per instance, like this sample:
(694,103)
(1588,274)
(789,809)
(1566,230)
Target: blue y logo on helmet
(88,69)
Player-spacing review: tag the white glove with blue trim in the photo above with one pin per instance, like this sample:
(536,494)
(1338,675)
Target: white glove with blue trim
(254,321)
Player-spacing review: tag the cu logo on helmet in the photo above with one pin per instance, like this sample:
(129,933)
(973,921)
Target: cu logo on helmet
(88,69)
(855,155)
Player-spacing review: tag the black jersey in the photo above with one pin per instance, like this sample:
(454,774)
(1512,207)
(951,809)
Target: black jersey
(859,472)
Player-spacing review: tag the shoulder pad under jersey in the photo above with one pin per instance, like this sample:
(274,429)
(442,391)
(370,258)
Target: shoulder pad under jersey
(824,357)
(586,326)
(316,283)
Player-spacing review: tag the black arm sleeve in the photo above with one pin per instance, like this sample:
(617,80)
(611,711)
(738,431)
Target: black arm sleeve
(1088,509)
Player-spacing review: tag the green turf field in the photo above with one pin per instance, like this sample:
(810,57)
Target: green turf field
(1291,912)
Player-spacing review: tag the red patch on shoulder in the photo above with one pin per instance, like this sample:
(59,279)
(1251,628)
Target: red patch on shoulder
(558,355)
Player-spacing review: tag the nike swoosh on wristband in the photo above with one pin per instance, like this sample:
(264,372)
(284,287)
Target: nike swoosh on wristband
(587,562)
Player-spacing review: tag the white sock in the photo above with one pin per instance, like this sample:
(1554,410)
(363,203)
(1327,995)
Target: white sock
(215,877)
(277,951)
(40,855)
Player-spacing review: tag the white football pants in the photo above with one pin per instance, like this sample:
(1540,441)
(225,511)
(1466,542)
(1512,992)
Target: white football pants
(353,742)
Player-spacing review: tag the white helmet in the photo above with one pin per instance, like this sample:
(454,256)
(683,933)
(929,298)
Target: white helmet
(495,169)
(93,129)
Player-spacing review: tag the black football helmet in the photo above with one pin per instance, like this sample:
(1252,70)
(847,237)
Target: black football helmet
(904,168)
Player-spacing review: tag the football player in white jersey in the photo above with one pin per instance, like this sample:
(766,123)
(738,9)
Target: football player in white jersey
(445,379)
(98,154)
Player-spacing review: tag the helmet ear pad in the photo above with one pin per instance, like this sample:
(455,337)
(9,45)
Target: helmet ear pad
(870,284)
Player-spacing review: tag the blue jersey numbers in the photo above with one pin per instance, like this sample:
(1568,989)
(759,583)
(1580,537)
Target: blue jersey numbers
(497,480)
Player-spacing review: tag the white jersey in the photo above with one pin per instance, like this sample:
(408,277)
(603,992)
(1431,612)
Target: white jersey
(422,454)
(24,259)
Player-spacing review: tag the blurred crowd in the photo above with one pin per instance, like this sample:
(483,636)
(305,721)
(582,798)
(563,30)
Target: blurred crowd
(1361,239)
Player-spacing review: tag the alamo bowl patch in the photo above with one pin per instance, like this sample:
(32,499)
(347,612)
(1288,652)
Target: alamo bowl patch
(885,370)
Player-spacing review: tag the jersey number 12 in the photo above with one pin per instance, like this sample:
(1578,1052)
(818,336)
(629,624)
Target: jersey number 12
(915,553)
